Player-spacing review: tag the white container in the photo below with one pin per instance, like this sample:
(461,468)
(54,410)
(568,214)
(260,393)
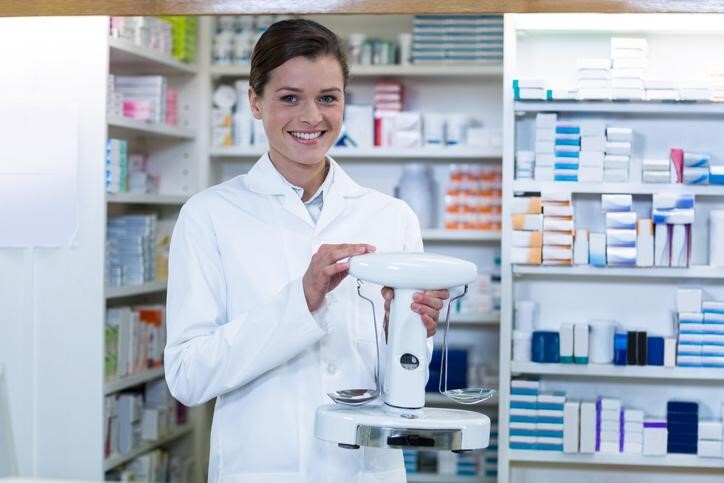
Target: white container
(525,312)
(356,41)
(601,341)
(416,188)
(522,346)
(405,42)
(433,129)
(456,127)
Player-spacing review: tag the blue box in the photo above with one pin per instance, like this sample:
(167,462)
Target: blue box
(686,418)
(655,351)
(545,346)
(620,345)
(681,448)
(682,407)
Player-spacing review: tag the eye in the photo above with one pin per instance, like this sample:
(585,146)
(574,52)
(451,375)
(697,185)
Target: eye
(327,99)
(289,98)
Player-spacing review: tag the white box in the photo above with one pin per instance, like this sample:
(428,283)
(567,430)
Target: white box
(593,128)
(621,220)
(614,147)
(542,173)
(616,203)
(656,177)
(566,345)
(609,447)
(588,428)
(611,164)
(709,449)
(590,174)
(557,238)
(611,426)
(669,351)
(688,299)
(655,441)
(526,256)
(649,164)
(580,248)
(615,175)
(543,120)
(710,430)
(591,158)
(611,415)
(620,134)
(597,249)
(644,243)
(545,160)
(545,134)
(558,223)
(526,239)
(632,448)
(550,209)
(551,252)
(527,222)
(560,197)
(580,344)
(662,242)
(526,205)
(633,416)
(571,418)
(634,437)
(611,404)
(593,143)
(616,237)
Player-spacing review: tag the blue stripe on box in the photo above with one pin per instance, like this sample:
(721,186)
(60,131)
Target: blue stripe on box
(568,142)
(544,433)
(568,130)
(571,166)
(549,447)
(524,432)
(523,405)
(523,391)
(565,177)
(553,406)
(522,446)
(524,419)
(567,154)
(549,419)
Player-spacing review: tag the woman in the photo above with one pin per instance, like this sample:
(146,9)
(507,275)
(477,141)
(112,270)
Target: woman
(261,313)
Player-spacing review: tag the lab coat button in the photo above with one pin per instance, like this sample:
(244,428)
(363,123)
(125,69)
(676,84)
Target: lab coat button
(332,368)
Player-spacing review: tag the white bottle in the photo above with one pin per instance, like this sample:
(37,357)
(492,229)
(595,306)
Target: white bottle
(416,187)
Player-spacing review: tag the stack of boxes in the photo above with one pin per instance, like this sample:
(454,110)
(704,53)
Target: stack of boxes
(567,151)
(709,444)
(620,230)
(609,422)
(701,330)
(142,98)
(151,33)
(130,245)
(685,167)
(474,198)
(696,168)
(183,34)
(410,458)
(388,103)
(527,236)
(672,216)
(593,148)
(633,431)
(545,135)
(536,420)
(618,154)
(222,127)
(628,57)
(682,423)
(716,82)
(457,38)
(593,78)
(524,164)
(171,107)
(489,466)
(558,228)
(661,90)
(656,170)
(116,166)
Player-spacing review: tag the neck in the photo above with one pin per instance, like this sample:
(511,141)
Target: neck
(307,176)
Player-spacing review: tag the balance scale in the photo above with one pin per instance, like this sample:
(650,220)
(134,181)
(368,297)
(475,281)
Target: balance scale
(402,421)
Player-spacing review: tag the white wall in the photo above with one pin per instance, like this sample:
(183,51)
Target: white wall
(51,299)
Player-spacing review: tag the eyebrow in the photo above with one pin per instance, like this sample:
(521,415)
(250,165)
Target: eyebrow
(295,89)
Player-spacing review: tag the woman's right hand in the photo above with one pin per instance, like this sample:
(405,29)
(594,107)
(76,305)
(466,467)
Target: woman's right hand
(326,271)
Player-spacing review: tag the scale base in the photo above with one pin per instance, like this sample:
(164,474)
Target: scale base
(387,427)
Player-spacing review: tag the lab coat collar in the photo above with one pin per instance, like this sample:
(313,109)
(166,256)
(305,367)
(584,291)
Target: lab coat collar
(263,178)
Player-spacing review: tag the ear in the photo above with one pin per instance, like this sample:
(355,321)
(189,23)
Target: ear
(255,104)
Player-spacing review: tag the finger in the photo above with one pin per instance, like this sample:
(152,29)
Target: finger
(345,250)
(443,294)
(335,268)
(426,299)
(429,324)
(425,310)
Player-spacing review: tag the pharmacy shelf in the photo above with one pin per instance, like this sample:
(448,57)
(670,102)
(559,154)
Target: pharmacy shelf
(669,460)
(446,71)
(635,107)
(145,199)
(602,188)
(492,318)
(131,58)
(437,399)
(443,154)
(131,290)
(695,272)
(140,127)
(442,235)
(710,375)
(132,381)
(435,478)
(118,460)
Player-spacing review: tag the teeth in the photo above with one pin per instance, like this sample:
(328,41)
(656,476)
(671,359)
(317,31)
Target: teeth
(307,135)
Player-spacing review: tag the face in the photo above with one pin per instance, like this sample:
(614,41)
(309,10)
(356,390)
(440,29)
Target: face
(302,108)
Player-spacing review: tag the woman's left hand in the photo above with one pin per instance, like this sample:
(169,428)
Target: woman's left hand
(428,304)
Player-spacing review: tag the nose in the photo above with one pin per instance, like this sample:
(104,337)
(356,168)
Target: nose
(311,114)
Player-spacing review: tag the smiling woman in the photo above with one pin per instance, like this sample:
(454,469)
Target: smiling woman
(297,81)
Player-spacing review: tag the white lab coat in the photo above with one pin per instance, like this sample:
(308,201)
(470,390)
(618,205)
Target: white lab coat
(239,328)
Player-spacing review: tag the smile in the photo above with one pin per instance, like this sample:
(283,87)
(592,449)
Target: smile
(306,137)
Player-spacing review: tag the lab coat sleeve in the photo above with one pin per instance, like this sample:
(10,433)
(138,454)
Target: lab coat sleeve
(207,355)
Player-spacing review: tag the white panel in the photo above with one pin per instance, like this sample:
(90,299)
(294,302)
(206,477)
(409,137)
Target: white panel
(54,355)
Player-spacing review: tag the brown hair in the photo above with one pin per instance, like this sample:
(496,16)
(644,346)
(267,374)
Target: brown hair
(287,39)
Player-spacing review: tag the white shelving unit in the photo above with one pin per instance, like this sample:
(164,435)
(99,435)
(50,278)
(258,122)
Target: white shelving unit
(117,460)
(546,47)
(132,381)
(473,236)
(435,478)
(175,154)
